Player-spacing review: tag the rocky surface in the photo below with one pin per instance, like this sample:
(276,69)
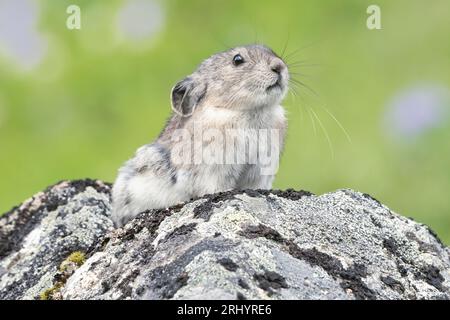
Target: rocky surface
(61,244)
(37,236)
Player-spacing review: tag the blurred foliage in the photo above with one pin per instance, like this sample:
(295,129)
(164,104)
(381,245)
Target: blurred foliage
(96,96)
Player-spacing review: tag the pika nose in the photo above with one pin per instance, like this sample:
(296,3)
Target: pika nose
(277,66)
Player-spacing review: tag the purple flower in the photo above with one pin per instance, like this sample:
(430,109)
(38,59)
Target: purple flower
(19,36)
(415,111)
(141,19)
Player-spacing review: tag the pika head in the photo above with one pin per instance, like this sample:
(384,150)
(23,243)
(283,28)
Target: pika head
(245,78)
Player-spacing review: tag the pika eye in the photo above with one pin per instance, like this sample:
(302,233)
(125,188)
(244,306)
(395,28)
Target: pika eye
(238,59)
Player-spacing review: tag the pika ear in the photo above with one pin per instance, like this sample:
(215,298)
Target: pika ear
(186,95)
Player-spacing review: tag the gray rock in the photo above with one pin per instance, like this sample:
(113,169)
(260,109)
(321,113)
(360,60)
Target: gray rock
(232,245)
(37,236)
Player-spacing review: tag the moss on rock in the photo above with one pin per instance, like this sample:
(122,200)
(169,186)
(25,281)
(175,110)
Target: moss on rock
(66,269)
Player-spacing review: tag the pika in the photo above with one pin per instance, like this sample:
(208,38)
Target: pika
(235,93)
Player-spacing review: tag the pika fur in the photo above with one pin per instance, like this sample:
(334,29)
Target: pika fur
(239,90)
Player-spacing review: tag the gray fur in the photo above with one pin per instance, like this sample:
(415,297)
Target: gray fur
(219,96)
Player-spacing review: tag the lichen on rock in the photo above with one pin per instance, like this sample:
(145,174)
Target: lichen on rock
(251,244)
(37,236)
(65,270)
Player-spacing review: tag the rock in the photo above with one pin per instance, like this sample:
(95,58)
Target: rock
(37,236)
(233,245)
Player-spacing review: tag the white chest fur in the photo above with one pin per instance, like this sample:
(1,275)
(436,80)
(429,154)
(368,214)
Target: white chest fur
(234,149)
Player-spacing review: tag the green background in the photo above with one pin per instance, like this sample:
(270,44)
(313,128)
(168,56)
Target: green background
(97,96)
